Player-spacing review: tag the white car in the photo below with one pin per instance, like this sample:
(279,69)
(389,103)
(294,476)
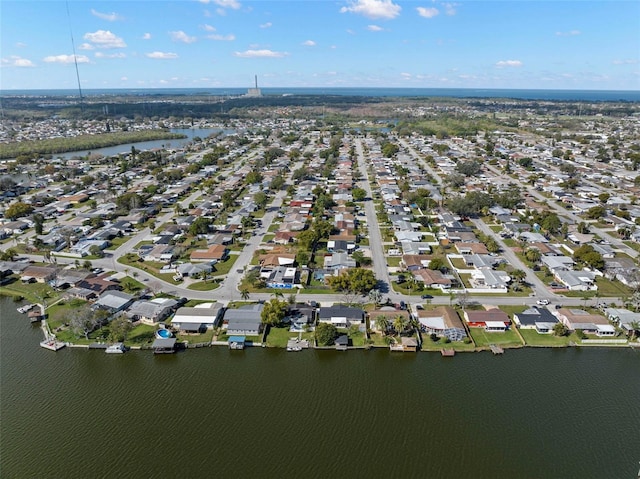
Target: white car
(543,302)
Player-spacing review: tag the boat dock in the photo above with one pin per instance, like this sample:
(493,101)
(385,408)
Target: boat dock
(50,342)
(448,352)
(496,349)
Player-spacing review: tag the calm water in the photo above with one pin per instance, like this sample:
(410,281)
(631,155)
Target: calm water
(268,413)
(190,133)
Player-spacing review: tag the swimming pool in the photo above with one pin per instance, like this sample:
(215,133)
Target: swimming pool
(163,334)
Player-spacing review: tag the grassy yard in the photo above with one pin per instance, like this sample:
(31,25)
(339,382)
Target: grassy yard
(428,345)
(483,338)
(278,337)
(533,338)
(225,266)
(394,261)
(606,288)
(32,292)
(204,285)
(196,338)
(117,242)
(151,268)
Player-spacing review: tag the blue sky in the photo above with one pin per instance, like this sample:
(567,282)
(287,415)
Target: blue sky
(544,44)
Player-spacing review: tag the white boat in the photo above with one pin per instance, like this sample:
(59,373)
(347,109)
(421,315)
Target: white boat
(116,348)
(26,308)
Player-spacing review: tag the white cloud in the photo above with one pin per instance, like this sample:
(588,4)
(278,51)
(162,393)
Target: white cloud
(571,33)
(123,78)
(309,43)
(233,4)
(86,46)
(631,61)
(373,8)
(374,28)
(508,63)
(260,54)
(208,28)
(180,36)
(105,39)
(162,55)
(110,17)
(65,59)
(16,61)
(110,55)
(21,44)
(223,38)
(427,12)
(405,75)
(146,36)
(266,25)
(450,8)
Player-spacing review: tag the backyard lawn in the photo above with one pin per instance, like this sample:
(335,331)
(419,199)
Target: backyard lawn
(483,338)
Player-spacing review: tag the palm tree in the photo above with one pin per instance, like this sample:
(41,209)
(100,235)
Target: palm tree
(399,324)
(244,294)
(382,323)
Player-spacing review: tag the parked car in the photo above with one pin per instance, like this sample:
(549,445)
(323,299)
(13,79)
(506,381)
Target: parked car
(426,296)
(542,302)
(403,305)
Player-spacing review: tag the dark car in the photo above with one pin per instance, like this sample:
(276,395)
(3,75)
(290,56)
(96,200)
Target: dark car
(403,305)
(426,296)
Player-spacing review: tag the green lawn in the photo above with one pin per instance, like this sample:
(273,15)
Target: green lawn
(428,345)
(533,338)
(225,266)
(278,337)
(196,338)
(394,261)
(204,285)
(117,242)
(32,292)
(483,338)
(150,268)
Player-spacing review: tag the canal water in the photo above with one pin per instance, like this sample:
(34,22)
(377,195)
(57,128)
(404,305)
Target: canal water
(269,413)
(190,134)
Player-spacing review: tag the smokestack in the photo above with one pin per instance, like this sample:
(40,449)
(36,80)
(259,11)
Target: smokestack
(256,81)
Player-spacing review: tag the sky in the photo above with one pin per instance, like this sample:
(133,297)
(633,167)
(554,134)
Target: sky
(539,44)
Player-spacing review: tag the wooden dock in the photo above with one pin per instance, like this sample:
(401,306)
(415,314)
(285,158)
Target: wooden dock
(496,349)
(448,352)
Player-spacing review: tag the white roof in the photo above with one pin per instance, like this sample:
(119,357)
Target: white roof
(494,324)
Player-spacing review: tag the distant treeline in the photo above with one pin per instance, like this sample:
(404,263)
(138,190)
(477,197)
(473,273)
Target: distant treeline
(26,108)
(84,142)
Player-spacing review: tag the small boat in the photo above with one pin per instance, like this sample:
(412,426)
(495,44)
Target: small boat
(116,348)
(26,308)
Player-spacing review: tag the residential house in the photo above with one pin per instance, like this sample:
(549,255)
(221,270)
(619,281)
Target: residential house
(197,318)
(433,279)
(540,319)
(151,312)
(215,253)
(338,261)
(577,280)
(493,319)
(443,322)
(575,319)
(340,316)
(627,320)
(245,320)
(113,301)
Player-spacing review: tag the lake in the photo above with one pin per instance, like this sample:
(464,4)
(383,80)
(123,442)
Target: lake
(190,133)
(268,413)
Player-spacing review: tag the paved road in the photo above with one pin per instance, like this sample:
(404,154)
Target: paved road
(541,290)
(375,237)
